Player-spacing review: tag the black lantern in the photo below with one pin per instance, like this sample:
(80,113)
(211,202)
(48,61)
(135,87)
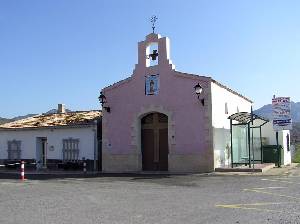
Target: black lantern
(198,91)
(102,100)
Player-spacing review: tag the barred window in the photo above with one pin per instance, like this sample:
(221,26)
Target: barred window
(70,149)
(14,150)
(288,142)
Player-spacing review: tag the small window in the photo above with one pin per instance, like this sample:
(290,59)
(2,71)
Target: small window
(288,142)
(226,108)
(70,149)
(14,150)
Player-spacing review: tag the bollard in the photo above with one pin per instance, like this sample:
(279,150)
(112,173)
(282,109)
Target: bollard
(84,166)
(22,171)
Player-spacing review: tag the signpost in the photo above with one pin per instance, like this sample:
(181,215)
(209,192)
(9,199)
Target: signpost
(282,119)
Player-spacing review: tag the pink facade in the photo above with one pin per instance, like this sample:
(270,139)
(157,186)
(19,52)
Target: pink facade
(190,131)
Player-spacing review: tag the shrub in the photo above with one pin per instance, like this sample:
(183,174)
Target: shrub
(296,158)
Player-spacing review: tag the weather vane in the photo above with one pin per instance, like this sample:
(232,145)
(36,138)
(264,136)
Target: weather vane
(153,20)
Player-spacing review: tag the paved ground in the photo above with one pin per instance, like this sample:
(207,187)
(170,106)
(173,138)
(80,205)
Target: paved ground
(154,199)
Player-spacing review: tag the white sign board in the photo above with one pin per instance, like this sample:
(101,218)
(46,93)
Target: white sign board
(282,119)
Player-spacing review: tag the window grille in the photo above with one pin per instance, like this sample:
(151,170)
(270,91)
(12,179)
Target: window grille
(70,149)
(14,150)
(288,142)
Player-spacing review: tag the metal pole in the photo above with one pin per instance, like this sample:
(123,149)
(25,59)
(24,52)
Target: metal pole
(252,148)
(22,171)
(46,147)
(84,166)
(231,144)
(252,136)
(249,153)
(261,146)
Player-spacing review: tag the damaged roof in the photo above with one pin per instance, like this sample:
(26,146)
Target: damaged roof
(57,119)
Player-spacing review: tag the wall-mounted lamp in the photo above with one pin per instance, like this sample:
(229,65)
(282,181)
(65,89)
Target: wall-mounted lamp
(102,100)
(198,91)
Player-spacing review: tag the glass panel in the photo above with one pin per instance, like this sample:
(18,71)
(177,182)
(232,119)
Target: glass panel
(240,144)
(256,144)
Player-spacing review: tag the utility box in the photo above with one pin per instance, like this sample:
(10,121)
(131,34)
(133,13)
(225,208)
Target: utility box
(271,154)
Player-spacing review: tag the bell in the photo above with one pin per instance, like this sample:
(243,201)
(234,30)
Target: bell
(154,55)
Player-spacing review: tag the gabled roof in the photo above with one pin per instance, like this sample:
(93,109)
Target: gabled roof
(231,90)
(77,118)
(196,76)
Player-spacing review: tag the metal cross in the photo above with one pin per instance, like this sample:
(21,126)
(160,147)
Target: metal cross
(153,20)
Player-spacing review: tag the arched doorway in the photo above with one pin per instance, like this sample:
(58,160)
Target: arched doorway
(155,142)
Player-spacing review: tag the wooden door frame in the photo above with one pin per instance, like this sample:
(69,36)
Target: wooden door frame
(156,126)
(136,131)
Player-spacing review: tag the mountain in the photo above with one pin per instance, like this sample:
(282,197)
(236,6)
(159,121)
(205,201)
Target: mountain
(6,120)
(54,111)
(22,117)
(266,111)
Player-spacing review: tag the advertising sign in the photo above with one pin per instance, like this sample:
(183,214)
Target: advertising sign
(152,85)
(282,119)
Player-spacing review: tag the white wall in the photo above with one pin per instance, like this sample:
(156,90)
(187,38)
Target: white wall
(270,134)
(54,138)
(221,123)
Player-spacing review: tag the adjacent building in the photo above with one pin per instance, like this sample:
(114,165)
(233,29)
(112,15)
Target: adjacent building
(52,139)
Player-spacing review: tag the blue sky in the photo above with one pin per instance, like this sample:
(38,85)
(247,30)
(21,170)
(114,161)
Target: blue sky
(64,51)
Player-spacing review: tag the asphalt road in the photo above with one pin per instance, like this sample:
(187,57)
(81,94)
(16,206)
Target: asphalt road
(153,199)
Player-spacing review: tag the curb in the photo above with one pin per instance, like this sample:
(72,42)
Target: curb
(245,169)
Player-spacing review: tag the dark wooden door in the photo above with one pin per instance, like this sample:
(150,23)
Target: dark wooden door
(155,142)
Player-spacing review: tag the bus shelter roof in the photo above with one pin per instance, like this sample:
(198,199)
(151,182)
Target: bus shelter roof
(243,118)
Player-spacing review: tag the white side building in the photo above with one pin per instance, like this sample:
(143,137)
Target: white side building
(52,139)
(283,140)
(225,102)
